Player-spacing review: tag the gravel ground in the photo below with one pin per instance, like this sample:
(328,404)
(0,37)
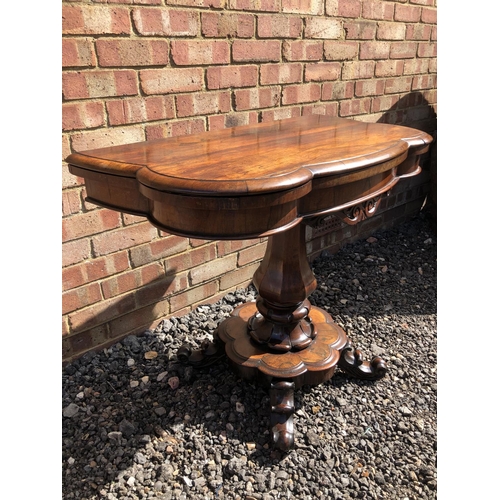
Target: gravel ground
(137,424)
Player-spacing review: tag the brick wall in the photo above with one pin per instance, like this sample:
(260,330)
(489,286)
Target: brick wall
(137,70)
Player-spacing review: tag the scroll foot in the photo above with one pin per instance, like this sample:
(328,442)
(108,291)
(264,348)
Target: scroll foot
(206,355)
(282,410)
(352,362)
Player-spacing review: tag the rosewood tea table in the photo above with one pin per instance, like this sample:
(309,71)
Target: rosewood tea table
(269,179)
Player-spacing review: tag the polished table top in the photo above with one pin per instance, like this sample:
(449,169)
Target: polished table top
(265,177)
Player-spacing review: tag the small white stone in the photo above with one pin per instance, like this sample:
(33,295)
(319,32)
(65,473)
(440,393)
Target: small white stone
(130,362)
(134,383)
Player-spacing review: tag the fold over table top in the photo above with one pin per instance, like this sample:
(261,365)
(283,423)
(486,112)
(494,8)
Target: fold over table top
(261,162)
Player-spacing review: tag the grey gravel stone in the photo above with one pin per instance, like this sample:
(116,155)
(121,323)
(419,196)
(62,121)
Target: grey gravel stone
(204,434)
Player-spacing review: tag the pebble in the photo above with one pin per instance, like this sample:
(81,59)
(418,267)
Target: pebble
(181,434)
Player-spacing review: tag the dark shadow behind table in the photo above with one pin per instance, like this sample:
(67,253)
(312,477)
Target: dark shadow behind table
(269,179)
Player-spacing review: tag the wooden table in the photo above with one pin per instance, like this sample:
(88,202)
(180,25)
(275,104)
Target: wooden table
(269,179)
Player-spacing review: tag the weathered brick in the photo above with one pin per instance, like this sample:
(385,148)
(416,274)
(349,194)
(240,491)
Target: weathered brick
(280,73)
(81,297)
(218,122)
(415,66)
(391,67)
(302,50)
(418,32)
(340,51)
(407,13)
(99,83)
(391,31)
(429,16)
(294,94)
(85,19)
(423,82)
(311,7)
(218,4)
(82,115)
(133,52)
(360,30)
(369,87)
(86,224)
(323,108)
(374,50)
(216,267)
(256,50)
(344,8)
(317,27)
(223,77)
(127,237)
(257,98)
(197,52)
(171,80)
(354,107)
(269,115)
(193,296)
(383,103)
(104,137)
(403,50)
(71,201)
(165,22)
(203,104)
(279,26)
(225,247)
(175,128)
(322,71)
(75,251)
(427,49)
(256,5)
(378,9)
(337,90)
(140,110)
(78,52)
(223,24)
(238,278)
(398,85)
(353,70)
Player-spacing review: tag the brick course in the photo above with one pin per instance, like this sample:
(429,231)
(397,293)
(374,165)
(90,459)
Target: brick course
(147,69)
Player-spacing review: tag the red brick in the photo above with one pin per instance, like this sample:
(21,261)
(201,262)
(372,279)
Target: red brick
(104,137)
(322,71)
(391,31)
(223,77)
(165,22)
(337,90)
(171,80)
(434,33)
(369,87)
(429,16)
(344,8)
(280,73)
(203,104)
(302,50)
(225,247)
(78,52)
(141,2)
(398,85)
(218,122)
(195,52)
(140,110)
(360,30)
(415,66)
(154,292)
(86,224)
(427,49)
(131,280)
(418,32)
(210,270)
(99,83)
(257,5)
(407,13)
(317,27)
(134,52)
(353,70)
(239,278)
(80,297)
(270,115)
(423,82)
(223,24)
(354,107)
(193,258)
(218,4)
(374,50)
(193,296)
(157,249)
(95,20)
(324,108)
(263,97)
(383,103)
(256,50)
(279,26)
(389,68)
(312,7)
(75,251)
(294,94)
(378,9)
(341,51)
(71,201)
(82,115)
(175,128)
(403,50)
(251,254)
(120,239)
